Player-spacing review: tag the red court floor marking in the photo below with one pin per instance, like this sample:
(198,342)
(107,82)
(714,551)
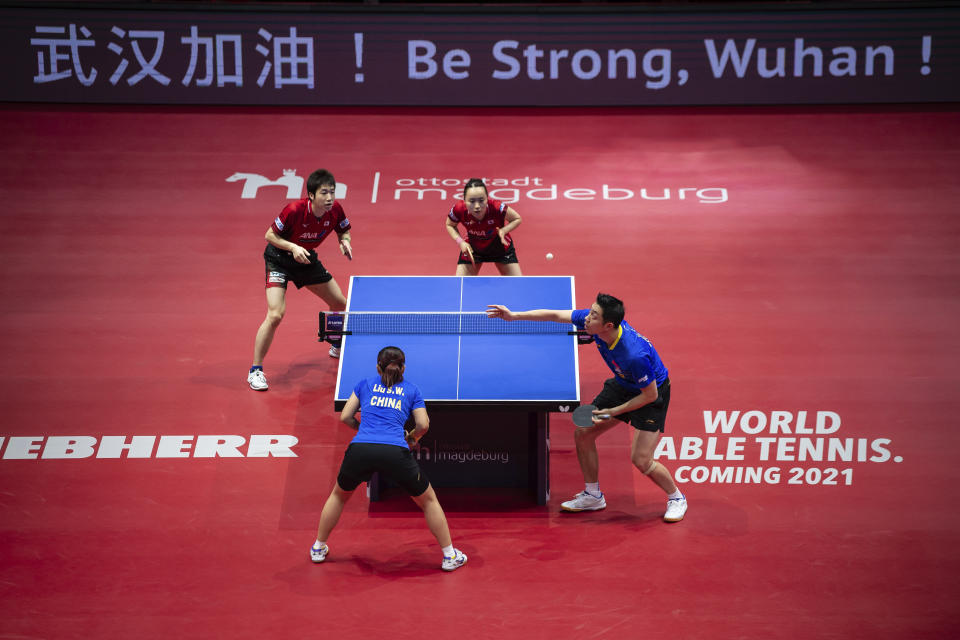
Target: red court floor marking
(826,282)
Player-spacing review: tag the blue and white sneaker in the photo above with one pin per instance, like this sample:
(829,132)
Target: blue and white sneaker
(318,552)
(676,508)
(256,380)
(454,562)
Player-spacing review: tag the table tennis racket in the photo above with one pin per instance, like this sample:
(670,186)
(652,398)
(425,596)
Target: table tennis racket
(583,415)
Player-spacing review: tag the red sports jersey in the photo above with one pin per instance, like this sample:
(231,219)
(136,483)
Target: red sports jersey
(482,234)
(297,223)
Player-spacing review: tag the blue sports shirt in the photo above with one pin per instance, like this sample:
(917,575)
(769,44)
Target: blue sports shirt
(384,410)
(632,358)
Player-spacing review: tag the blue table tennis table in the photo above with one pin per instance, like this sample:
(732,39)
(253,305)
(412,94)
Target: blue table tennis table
(489,395)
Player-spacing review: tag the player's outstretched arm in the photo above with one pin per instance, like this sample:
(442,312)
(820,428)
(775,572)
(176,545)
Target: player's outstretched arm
(544,315)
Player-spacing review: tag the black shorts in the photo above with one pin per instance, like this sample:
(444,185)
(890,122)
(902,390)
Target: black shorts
(650,417)
(280,268)
(362,459)
(495,253)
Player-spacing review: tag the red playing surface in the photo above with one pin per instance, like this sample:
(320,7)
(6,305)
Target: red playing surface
(827,281)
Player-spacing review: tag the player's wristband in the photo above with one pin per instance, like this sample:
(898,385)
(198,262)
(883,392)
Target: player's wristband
(458,240)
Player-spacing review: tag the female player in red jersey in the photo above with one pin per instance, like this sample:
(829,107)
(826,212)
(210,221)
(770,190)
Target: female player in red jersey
(488,223)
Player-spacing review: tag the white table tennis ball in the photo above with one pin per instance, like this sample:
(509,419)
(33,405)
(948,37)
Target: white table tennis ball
(549,256)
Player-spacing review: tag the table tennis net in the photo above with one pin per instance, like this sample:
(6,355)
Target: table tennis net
(431,322)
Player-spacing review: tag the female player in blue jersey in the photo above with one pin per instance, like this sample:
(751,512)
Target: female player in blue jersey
(385,401)
(638,394)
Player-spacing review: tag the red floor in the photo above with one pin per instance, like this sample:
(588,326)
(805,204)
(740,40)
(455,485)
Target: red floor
(827,281)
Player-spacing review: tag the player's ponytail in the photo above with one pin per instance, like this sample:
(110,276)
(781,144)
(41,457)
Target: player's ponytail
(390,363)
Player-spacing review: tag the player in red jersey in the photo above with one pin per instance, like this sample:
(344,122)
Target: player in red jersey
(488,223)
(290,257)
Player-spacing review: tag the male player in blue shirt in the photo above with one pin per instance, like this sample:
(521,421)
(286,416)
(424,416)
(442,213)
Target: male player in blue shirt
(638,394)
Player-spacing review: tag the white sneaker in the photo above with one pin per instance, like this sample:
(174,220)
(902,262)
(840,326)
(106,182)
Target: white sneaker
(454,562)
(319,554)
(334,352)
(675,509)
(583,501)
(256,380)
